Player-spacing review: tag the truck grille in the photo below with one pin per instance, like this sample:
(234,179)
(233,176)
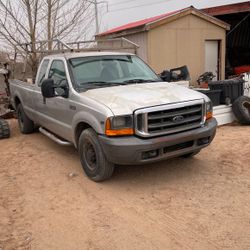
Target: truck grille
(169,119)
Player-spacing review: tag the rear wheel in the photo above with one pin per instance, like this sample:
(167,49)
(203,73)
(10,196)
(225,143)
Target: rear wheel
(4,129)
(26,125)
(92,157)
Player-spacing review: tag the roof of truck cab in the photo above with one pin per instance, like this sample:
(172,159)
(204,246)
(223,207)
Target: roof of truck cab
(86,54)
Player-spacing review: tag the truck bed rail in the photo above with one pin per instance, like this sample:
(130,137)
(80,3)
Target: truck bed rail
(58,46)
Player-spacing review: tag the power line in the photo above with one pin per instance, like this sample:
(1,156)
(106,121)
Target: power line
(122,2)
(95,2)
(137,6)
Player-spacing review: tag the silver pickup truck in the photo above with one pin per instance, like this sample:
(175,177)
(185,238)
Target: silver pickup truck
(114,109)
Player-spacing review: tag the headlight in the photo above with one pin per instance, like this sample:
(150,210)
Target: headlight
(209,110)
(119,125)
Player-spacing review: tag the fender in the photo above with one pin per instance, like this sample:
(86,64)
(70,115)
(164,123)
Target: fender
(91,120)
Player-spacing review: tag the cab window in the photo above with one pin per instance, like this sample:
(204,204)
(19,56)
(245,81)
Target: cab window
(57,72)
(42,71)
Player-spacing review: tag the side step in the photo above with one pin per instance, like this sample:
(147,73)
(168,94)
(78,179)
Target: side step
(54,137)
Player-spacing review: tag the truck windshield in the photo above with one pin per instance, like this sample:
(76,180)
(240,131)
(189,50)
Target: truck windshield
(103,71)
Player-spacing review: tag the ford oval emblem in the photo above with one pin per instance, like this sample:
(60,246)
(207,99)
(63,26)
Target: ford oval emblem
(178,118)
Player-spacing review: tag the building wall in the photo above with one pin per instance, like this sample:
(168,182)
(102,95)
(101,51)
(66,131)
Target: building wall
(116,46)
(141,39)
(182,42)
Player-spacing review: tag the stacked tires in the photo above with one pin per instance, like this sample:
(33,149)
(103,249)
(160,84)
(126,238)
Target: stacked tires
(241,109)
(4,129)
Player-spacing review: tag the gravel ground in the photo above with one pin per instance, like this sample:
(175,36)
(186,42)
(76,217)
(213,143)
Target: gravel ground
(46,202)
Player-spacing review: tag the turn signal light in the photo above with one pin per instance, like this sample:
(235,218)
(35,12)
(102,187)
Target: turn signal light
(117,132)
(209,115)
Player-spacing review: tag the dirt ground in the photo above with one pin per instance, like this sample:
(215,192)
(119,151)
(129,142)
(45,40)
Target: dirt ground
(46,202)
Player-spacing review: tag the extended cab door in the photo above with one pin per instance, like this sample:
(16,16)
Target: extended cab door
(38,100)
(58,108)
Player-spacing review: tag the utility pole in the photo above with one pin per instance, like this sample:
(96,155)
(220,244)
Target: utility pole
(97,29)
(96,18)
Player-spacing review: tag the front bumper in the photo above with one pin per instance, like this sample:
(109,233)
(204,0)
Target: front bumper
(134,150)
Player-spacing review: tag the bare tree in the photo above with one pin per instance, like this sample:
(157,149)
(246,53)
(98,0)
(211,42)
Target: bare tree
(29,21)
(3,57)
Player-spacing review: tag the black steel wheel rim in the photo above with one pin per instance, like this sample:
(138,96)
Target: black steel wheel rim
(20,119)
(90,155)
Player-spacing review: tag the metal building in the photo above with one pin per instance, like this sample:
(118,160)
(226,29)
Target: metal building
(238,38)
(186,37)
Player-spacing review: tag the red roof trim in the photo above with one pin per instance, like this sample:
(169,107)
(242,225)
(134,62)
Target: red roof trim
(150,20)
(137,23)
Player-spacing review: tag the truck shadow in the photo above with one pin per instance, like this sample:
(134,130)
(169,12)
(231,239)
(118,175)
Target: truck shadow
(160,172)
(163,171)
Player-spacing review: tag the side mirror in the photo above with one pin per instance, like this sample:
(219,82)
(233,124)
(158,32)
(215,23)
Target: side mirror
(48,88)
(165,76)
(180,73)
(62,89)
(176,74)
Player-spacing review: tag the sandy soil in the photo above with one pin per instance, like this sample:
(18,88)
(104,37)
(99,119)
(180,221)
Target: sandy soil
(46,202)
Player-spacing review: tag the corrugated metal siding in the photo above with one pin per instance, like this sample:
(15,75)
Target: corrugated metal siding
(240,37)
(117,46)
(138,38)
(182,42)
(141,40)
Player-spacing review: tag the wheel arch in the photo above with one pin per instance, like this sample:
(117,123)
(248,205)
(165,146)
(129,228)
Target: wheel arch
(17,101)
(84,120)
(78,130)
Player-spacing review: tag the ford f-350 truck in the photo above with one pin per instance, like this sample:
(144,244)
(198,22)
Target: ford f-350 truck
(114,109)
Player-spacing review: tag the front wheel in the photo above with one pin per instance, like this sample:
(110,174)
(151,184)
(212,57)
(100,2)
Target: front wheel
(26,125)
(93,160)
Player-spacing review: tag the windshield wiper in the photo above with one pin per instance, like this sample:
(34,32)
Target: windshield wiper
(98,84)
(139,80)
(101,83)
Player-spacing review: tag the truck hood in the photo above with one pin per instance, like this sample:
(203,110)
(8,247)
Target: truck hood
(122,100)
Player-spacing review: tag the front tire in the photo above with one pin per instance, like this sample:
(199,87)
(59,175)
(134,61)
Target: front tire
(93,160)
(26,125)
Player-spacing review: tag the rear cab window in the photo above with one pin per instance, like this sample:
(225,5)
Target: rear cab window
(42,72)
(57,72)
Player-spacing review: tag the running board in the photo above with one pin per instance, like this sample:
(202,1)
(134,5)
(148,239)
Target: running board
(54,137)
